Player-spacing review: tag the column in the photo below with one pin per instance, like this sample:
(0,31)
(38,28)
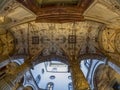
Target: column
(79,81)
(15,75)
(20,85)
(6,80)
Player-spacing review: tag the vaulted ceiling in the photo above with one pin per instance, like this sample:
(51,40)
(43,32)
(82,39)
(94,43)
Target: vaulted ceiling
(57,37)
(63,27)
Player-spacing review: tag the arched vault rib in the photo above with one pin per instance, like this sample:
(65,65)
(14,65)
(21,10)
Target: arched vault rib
(91,56)
(41,59)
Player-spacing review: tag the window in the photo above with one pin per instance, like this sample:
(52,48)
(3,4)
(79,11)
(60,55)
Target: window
(87,63)
(50,86)
(70,86)
(38,79)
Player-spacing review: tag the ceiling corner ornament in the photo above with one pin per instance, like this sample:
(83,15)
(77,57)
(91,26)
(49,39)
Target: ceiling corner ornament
(57,12)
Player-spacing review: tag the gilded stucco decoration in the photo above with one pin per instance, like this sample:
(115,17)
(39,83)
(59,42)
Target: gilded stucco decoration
(71,28)
(57,38)
(109,43)
(7,45)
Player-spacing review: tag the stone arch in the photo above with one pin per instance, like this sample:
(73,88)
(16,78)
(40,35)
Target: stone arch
(47,59)
(52,57)
(91,56)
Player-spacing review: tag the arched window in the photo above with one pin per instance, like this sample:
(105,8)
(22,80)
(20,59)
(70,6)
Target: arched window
(87,63)
(50,86)
(38,79)
(70,86)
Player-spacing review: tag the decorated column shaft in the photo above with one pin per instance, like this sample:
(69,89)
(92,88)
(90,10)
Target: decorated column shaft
(21,70)
(79,81)
(7,80)
(15,75)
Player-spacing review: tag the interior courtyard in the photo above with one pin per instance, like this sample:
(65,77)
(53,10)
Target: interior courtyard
(59,44)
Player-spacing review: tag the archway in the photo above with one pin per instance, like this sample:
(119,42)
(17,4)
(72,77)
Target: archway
(50,73)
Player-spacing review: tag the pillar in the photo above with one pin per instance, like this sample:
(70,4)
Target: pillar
(20,85)
(79,81)
(15,75)
(7,81)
